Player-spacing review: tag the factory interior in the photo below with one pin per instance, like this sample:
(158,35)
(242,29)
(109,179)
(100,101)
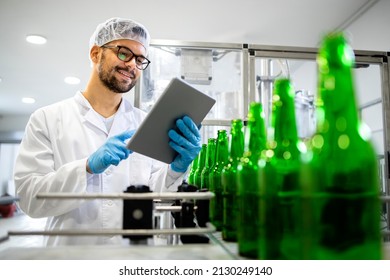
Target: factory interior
(231,51)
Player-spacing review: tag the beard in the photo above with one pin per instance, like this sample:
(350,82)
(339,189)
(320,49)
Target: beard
(107,76)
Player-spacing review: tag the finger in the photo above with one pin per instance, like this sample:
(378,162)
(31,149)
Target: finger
(179,140)
(115,161)
(110,159)
(187,132)
(131,132)
(174,135)
(119,146)
(192,126)
(121,151)
(121,155)
(125,135)
(176,147)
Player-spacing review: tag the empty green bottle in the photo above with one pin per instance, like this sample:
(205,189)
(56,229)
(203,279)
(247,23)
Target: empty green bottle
(216,204)
(229,181)
(201,164)
(248,182)
(341,190)
(209,163)
(194,165)
(280,184)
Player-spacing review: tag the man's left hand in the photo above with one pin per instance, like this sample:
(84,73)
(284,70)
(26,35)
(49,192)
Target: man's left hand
(188,145)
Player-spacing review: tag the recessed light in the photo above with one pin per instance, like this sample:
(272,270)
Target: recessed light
(36,39)
(28,100)
(72,80)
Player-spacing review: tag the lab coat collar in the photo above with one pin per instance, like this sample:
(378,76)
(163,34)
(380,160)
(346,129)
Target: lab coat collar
(91,116)
(122,118)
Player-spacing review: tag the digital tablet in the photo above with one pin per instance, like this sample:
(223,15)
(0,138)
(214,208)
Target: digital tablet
(178,99)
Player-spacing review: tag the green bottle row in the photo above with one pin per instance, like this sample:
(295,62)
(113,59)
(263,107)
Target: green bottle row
(280,198)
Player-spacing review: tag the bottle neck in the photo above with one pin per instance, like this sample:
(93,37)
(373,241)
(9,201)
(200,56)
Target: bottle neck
(210,156)
(195,164)
(202,157)
(236,143)
(284,123)
(339,104)
(222,152)
(256,137)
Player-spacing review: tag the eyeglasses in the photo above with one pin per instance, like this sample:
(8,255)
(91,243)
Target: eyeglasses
(125,54)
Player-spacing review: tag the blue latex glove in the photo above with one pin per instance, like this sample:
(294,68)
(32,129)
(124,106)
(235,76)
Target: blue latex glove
(111,153)
(188,145)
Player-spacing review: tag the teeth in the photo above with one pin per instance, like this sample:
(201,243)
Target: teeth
(124,73)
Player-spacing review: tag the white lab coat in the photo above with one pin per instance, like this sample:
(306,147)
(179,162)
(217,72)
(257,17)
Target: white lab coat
(52,158)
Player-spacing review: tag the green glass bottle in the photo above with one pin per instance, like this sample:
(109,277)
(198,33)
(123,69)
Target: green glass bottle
(342,183)
(248,182)
(194,165)
(229,181)
(201,164)
(209,163)
(221,157)
(280,180)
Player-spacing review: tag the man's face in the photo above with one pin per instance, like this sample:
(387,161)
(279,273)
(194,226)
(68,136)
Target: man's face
(119,76)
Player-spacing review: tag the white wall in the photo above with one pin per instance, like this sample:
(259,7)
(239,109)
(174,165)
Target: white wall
(371,30)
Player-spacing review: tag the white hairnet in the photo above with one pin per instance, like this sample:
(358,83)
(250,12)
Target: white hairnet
(119,28)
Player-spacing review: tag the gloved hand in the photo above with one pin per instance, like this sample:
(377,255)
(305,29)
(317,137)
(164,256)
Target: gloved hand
(188,145)
(112,152)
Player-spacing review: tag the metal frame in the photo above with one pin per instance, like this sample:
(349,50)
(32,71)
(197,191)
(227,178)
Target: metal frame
(182,231)
(386,125)
(133,196)
(361,56)
(205,45)
(251,51)
(156,197)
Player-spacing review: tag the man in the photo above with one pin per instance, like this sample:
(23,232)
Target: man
(79,145)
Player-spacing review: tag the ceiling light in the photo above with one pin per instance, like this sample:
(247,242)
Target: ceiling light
(36,39)
(72,80)
(28,100)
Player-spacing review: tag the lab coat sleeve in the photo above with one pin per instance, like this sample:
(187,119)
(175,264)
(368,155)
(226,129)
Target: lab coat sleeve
(165,179)
(35,173)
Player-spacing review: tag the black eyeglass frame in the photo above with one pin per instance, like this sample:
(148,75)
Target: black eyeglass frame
(140,65)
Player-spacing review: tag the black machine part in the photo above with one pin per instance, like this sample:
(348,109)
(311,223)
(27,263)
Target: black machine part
(189,217)
(137,214)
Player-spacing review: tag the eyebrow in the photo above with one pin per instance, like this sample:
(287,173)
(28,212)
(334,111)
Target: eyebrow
(131,50)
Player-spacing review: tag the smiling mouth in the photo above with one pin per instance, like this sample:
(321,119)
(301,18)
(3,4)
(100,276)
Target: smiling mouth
(127,75)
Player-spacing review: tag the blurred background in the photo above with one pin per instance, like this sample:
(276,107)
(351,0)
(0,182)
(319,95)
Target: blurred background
(232,51)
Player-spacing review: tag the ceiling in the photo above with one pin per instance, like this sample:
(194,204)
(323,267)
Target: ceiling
(38,71)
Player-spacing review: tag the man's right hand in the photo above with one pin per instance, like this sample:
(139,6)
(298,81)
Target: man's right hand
(111,153)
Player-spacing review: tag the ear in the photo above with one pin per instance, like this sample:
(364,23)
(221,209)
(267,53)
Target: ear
(94,54)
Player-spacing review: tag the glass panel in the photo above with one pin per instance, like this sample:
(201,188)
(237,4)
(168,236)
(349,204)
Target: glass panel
(303,73)
(369,95)
(303,76)
(371,116)
(216,72)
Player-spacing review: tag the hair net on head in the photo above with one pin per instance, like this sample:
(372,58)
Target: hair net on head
(119,28)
